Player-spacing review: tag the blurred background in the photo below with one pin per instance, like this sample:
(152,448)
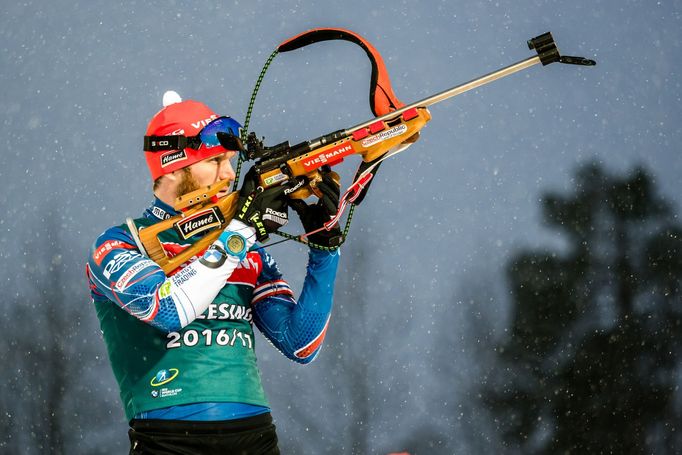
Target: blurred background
(511,284)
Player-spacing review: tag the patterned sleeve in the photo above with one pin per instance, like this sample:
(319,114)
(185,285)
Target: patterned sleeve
(118,272)
(296,328)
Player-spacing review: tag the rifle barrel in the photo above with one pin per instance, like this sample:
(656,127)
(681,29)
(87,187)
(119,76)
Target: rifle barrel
(454,91)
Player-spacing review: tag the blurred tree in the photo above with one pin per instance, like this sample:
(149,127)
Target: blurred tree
(46,352)
(348,340)
(592,357)
(35,388)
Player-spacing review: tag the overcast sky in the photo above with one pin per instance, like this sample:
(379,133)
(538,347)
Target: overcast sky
(81,79)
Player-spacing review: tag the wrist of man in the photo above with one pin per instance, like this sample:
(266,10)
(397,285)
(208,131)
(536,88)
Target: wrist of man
(246,231)
(237,239)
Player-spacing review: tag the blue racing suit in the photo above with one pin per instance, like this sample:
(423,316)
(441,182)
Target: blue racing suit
(182,346)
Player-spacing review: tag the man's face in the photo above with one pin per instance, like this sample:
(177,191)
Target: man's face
(207,172)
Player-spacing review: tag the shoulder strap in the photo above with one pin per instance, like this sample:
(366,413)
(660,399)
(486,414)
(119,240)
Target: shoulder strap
(382,100)
(132,227)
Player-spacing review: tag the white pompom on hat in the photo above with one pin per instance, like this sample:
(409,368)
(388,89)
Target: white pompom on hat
(171,97)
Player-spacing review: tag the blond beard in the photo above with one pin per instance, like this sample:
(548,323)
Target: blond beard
(187,184)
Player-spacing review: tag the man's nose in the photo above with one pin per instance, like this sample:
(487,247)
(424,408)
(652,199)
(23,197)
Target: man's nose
(226,171)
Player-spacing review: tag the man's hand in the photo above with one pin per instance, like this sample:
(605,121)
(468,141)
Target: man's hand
(264,210)
(314,216)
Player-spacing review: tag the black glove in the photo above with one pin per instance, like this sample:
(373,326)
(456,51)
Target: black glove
(265,210)
(314,216)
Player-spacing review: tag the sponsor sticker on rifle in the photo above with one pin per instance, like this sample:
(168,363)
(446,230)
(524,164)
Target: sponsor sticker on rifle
(393,132)
(199,222)
(272,180)
(332,155)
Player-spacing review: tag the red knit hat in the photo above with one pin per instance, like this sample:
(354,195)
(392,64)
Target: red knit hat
(179,117)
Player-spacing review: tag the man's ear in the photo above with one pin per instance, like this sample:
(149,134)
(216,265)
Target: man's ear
(175,176)
(167,183)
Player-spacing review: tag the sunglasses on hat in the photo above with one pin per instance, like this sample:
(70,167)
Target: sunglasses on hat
(225,127)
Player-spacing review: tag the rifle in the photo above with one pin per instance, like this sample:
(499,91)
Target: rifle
(395,127)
